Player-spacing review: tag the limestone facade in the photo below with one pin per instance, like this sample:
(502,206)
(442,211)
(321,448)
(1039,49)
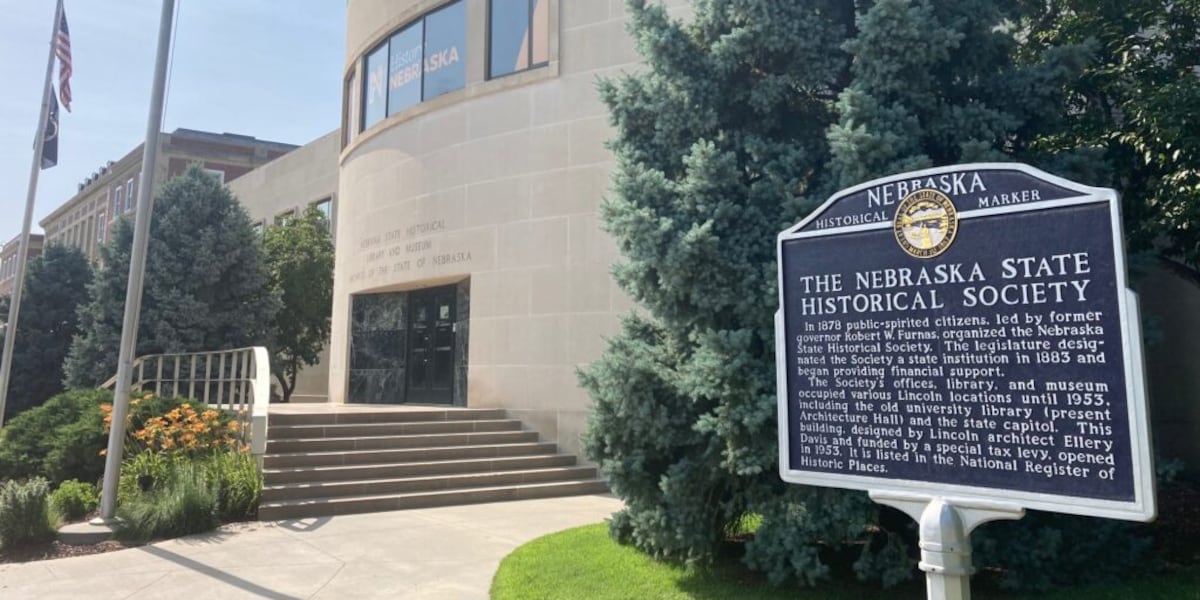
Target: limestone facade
(490,190)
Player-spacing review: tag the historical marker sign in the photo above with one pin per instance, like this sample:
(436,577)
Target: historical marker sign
(965,330)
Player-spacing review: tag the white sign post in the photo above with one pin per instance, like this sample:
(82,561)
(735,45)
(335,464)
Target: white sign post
(960,343)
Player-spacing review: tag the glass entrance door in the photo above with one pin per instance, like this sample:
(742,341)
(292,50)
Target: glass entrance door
(431,317)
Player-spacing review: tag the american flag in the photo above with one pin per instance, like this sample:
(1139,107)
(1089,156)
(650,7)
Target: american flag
(62,49)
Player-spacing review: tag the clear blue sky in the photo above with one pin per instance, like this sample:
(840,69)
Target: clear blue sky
(266,68)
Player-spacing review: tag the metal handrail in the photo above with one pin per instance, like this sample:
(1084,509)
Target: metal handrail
(240,384)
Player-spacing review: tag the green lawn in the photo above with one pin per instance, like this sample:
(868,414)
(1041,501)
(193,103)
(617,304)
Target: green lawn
(585,564)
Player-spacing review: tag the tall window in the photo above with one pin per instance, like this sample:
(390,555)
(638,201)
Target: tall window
(445,43)
(101,226)
(375,87)
(119,198)
(404,68)
(326,208)
(518,35)
(348,129)
(423,60)
(130,193)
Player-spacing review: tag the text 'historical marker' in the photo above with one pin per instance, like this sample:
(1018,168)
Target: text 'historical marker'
(965,330)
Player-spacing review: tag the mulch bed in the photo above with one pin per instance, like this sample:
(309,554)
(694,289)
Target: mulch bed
(57,549)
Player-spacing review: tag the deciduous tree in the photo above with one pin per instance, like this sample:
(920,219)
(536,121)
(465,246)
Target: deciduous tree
(299,256)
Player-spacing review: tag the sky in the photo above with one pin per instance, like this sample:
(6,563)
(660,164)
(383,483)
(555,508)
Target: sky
(266,68)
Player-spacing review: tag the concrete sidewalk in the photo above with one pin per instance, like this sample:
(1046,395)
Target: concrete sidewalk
(449,552)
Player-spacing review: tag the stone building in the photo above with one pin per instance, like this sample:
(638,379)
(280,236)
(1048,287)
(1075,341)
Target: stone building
(471,267)
(279,190)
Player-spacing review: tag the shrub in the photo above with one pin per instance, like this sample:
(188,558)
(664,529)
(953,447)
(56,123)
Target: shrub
(73,500)
(183,504)
(154,467)
(60,439)
(239,484)
(23,516)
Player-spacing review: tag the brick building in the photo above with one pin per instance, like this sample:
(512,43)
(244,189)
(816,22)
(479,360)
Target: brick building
(8,262)
(85,221)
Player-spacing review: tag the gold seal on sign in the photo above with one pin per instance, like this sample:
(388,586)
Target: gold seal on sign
(925,224)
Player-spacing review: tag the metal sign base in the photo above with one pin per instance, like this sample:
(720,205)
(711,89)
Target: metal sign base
(945,539)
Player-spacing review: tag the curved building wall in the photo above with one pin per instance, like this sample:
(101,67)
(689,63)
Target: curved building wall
(492,188)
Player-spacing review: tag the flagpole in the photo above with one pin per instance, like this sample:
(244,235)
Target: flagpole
(137,268)
(14,306)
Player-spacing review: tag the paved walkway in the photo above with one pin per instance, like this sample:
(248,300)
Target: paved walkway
(447,553)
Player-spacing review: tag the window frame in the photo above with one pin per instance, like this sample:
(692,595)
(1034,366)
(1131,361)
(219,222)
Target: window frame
(361,68)
(530,65)
(282,218)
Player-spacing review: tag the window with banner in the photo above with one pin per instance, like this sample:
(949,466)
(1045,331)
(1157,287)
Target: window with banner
(422,60)
(375,87)
(518,35)
(445,43)
(404,68)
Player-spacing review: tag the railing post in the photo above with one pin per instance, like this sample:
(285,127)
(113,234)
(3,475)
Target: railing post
(221,380)
(158,378)
(191,379)
(243,383)
(258,406)
(207,375)
(175,377)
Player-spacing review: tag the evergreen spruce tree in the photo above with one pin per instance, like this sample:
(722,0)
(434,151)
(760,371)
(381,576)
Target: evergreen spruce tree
(206,284)
(55,286)
(745,116)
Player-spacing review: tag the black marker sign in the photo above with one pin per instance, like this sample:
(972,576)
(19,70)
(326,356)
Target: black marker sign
(965,330)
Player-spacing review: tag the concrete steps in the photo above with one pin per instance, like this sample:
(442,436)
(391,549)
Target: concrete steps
(329,463)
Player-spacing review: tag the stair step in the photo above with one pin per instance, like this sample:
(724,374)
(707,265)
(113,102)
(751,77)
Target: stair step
(278,431)
(359,457)
(318,474)
(289,509)
(298,491)
(390,416)
(433,440)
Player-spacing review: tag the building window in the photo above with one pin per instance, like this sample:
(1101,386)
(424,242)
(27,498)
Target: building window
(259,227)
(404,68)
(445,44)
(118,194)
(348,130)
(518,35)
(375,90)
(284,217)
(217,174)
(326,207)
(130,192)
(423,60)
(100,227)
